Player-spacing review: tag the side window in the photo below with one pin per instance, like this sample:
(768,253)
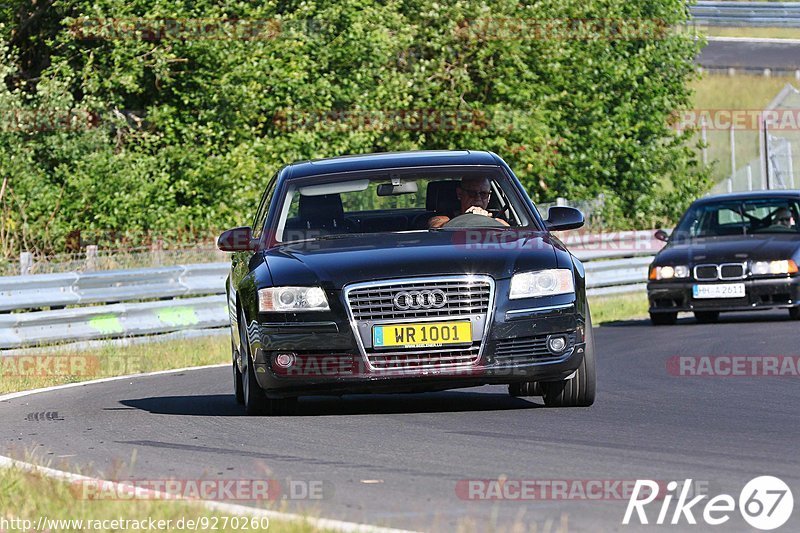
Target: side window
(728,216)
(263,209)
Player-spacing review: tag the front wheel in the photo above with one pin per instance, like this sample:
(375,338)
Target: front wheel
(794,313)
(706,317)
(526,388)
(254,399)
(238,385)
(580,390)
(663,319)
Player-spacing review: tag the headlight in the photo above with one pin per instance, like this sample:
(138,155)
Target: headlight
(541,283)
(669,272)
(287,299)
(763,268)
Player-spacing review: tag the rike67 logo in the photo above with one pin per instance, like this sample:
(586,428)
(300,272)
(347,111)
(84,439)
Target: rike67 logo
(765,503)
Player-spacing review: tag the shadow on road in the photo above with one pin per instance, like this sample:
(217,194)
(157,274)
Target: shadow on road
(687,319)
(369,404)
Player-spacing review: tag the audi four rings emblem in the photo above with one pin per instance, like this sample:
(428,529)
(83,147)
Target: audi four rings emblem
(405,300)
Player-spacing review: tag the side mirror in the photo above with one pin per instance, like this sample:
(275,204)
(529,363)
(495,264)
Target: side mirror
(236,240)
(564,218)
(661,235)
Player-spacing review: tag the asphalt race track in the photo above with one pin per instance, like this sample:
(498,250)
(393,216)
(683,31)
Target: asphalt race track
(398,460)
(750,55)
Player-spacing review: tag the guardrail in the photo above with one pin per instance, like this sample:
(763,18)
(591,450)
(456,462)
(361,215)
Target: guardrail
(191,297)
(777,14)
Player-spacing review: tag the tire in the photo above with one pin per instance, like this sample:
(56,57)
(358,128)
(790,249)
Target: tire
(580,390)
(526,388)
(663,319)
(794,313)
(706,317)
(238,385)
(254,399)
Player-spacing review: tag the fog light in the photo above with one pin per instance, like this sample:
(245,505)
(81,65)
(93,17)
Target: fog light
(556,343)
(285,360)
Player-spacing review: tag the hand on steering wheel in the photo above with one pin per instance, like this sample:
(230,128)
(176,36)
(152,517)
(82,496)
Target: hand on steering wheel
(475,210)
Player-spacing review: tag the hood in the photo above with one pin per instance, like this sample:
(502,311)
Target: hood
(731,249)
(368,257)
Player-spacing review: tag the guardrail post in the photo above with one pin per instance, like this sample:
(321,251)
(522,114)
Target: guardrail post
(25,263)
(157,252)
(91,257)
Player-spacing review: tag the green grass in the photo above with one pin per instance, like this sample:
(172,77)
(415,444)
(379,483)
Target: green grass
(20,373)
(766,32)
(719,91)
(615,308)
(29,496)
(722,92)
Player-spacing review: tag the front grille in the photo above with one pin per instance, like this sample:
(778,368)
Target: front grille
(524,350)
(731,271)
(725,271)
(463,298)
(431,299)
(706,272)
(415,360)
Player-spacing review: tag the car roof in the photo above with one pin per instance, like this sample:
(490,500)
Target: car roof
(386,160)
(752,195)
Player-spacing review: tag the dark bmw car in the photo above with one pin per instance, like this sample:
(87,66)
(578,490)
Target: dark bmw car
(734,252)
(405,272)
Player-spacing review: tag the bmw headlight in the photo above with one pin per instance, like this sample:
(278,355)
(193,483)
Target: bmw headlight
(669,272)
(288,299)
(765,268)
(541,283)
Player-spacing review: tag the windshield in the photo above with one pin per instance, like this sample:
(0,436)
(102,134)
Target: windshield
(741,217)
(397,201)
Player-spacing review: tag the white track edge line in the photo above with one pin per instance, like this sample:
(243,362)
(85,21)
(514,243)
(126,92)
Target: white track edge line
(765,40)
(321,523)
(21,394)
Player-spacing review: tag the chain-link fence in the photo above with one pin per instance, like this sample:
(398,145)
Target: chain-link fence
(763,146)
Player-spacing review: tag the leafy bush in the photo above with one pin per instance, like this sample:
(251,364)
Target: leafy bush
(161,128)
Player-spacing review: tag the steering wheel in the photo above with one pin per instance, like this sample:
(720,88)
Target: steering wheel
(471,220)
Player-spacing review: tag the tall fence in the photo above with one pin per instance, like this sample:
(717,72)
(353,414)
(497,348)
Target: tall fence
(752,149)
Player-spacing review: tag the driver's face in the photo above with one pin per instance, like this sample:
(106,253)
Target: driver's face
(474,194)
(784,218)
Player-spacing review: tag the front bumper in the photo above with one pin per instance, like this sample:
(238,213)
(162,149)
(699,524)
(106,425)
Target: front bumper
(329,361)
(760,294)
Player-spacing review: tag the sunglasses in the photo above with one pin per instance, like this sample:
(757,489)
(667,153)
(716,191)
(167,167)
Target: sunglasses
(483,195)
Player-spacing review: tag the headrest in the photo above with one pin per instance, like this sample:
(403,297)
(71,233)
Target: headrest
(441,197)
(323,208)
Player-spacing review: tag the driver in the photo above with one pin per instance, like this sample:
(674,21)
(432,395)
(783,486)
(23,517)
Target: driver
(473,194)
(783,217)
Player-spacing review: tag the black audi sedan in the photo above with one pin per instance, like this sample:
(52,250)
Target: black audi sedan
(733,252)
(405,272)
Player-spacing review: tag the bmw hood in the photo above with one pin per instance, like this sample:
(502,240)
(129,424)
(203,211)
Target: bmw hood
(731,249)
(348,259)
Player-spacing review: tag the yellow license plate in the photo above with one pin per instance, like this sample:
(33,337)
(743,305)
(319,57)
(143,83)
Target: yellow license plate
(428,335)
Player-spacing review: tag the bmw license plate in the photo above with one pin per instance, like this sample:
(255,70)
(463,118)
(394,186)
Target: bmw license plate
(719,290)
(422,335)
